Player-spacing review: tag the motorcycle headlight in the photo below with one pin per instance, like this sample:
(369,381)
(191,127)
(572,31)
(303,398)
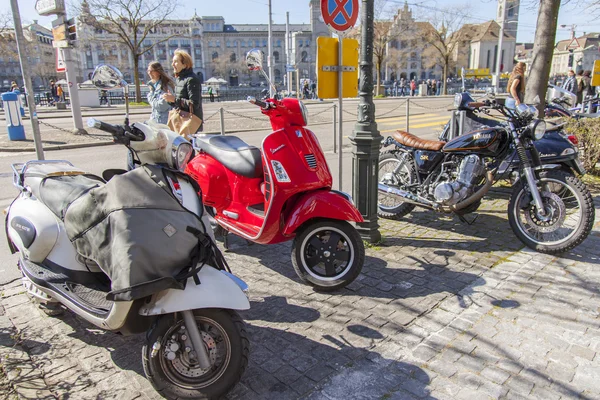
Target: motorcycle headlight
(537,129)
(304,113)
(181,153)
(457,100)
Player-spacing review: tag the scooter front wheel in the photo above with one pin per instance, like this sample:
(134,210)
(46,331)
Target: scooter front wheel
(175,373)
(328,255)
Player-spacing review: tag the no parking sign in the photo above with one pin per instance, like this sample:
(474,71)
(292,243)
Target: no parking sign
(339,15)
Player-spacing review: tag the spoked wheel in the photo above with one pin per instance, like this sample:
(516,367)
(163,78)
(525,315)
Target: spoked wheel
(174,371)
(328,254)
(568,215)
(395,169)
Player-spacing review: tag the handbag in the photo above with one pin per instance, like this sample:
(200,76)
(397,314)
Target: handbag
(185,123)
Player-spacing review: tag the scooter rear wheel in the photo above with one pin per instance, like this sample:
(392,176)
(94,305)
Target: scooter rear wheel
(328,254)
(175,375)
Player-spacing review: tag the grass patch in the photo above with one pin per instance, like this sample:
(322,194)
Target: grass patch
(142,103)
(592,181)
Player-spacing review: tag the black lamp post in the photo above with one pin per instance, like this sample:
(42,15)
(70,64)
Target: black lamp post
(365,137)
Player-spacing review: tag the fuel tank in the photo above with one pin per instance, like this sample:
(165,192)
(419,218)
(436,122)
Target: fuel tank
(488,142)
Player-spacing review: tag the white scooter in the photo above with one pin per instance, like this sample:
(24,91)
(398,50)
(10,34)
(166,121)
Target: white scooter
(196,345)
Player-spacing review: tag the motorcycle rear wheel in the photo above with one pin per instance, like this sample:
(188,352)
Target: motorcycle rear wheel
(176,375)
(395,172)
(571,213)
(328,254)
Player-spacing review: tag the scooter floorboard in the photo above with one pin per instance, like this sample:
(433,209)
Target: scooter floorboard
(91,297)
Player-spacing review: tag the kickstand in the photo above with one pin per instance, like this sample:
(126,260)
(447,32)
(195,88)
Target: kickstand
(226,240)
(466,221)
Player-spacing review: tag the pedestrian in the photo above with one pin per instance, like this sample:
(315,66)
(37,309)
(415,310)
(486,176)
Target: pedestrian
(413,87)
(580,86)
(402,86)
(313,90)
(516,86)
(14,87)
(53,93)
(60,93)
(188,89)
(586,88)
(395,85)
(305,90)
(103,98)
(570,84)
(160,83)
(211,94)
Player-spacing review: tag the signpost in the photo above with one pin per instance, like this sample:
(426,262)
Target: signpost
(61,66)
(596,73)
(49,7)
(339,16)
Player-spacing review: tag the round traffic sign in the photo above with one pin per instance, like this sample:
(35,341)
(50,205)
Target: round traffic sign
(340,15)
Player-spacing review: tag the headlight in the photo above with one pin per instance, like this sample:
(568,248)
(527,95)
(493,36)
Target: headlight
(457,100)
(280,172)
(181,153)
(304,113)
(537,129)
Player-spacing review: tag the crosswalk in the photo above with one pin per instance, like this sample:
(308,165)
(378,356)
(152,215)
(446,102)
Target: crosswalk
(392,124)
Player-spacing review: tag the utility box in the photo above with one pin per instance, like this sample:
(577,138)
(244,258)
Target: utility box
(423,89)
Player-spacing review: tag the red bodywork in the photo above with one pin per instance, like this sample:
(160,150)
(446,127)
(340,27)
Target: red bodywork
(286,205)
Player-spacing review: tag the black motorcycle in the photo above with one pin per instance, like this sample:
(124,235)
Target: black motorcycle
(550,210)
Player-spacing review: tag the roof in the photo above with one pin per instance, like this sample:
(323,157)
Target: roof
(265,27)
(486,32)
(591,39)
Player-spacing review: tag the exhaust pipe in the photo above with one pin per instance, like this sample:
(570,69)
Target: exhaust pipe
(406,196)
(477,195)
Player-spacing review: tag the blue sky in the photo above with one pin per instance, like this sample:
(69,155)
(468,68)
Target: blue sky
(256,11)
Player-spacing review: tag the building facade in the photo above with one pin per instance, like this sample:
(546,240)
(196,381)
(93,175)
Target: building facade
(578,53)
(41,57)
(508,10)
(217,48)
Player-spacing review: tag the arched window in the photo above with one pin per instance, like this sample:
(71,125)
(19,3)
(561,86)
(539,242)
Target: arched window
(215,55)
(279,43)
(243,44)
(304,56)
(232,57)
(264,42)
(277,75)
(228,44)
(276,56)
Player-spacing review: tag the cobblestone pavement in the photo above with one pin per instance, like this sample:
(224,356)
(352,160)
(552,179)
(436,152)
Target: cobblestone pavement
(442,310)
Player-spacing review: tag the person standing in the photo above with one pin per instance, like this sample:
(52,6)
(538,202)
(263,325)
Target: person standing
(160,83)
(516,86)
(188,89)
(395,86)
(402,86)
(579,86)
(571,83)
(586,87)
(53,93)
(211,94)
(413,87)
(60,93)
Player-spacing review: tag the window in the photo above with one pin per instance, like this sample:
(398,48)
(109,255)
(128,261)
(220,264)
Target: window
(307,43)
(232,58)
(218,43)
(264,42)
(511,10)
(304,56)
(487,64)
(276,56)
(228,44)
(277,75)
(243,43)
(279,43)
(215,55)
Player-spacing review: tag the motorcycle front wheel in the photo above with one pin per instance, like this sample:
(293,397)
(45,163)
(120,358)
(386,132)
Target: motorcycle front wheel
(569,213)
(175,375)
(395,169)
(328,254)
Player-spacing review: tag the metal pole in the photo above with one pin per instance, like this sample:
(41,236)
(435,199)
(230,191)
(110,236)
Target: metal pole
(73,92)
(500,37)
(297,83)
(407,112)
(222,118)
(35,125)
(335,128)
(270,56)
(365,137)
(340,107)
(288,52)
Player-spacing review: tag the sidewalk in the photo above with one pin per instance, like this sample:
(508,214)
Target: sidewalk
(441,310)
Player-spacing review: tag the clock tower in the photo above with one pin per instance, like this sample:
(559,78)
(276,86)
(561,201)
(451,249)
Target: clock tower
(317,25)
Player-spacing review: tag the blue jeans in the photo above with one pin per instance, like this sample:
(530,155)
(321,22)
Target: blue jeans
(510,103)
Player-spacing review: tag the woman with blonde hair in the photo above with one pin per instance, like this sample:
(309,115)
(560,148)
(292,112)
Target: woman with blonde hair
(516,86)
(160,83)
(188,90)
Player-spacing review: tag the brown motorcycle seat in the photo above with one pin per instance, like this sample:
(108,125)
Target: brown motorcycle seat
(410,140)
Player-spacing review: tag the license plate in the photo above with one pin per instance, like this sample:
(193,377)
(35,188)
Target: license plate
(580,166)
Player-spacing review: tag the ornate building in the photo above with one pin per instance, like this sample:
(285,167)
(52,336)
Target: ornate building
(217,48)
(577,54)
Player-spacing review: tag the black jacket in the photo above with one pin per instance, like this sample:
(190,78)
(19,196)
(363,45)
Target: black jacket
(188,89)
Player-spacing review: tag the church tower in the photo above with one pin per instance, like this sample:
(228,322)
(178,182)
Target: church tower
(509,11)
(317,25)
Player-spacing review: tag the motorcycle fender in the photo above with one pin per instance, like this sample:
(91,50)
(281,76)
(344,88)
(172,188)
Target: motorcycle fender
(320,204)
(217,289)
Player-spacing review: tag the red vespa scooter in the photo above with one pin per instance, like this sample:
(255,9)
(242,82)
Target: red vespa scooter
(282,193)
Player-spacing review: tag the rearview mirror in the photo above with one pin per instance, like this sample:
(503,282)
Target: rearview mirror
(108,77)
(254,60)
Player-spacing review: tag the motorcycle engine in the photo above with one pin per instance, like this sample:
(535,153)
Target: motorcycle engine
(469,172)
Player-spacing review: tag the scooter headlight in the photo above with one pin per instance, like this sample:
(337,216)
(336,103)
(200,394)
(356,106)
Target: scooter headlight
(304,113)
(181,153)
(280,172)
(537,129)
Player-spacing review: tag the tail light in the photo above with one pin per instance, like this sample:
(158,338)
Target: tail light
(573,139)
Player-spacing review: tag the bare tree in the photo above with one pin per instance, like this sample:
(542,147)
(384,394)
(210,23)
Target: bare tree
(442,36)
(130,22)
(543,48)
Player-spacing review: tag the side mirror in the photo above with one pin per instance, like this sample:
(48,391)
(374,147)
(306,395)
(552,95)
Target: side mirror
(108,77)
(254,60)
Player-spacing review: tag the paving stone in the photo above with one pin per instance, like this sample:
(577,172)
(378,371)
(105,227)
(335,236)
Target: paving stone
(583,352)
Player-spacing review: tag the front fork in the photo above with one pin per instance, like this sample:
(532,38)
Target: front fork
(528,170)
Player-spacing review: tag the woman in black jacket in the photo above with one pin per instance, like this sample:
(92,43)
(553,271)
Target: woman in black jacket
(188,90)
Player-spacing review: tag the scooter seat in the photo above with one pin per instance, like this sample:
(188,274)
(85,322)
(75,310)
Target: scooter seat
(235,154)
(410,140)
(58,192)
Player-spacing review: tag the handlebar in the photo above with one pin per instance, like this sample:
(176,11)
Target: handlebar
(262,104)
(117,131)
